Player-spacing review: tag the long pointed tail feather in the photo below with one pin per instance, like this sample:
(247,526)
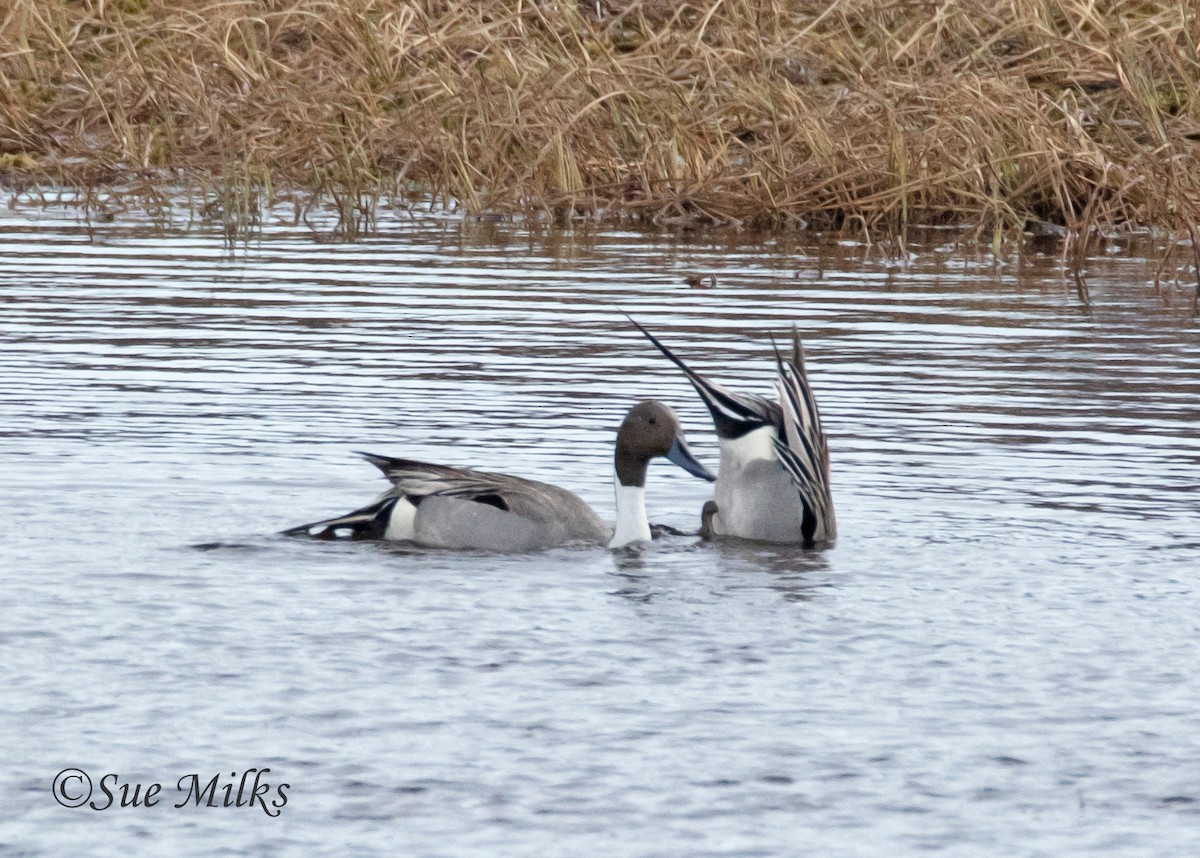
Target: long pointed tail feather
(733,414)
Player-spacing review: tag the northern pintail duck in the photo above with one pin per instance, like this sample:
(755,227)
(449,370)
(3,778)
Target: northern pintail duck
(773,484)
(445,507)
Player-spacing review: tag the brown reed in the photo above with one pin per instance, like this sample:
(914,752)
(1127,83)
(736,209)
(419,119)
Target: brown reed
(877,113)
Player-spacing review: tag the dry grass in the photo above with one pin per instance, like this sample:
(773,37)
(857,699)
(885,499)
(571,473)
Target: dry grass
(1081,113)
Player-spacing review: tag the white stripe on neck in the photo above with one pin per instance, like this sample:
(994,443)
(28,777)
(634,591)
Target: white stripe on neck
(632,524)
(759,444)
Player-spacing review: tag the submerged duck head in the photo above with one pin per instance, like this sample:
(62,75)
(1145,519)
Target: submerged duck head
(651,429)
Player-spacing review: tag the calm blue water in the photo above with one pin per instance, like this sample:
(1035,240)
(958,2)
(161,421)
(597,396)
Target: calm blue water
(997,658)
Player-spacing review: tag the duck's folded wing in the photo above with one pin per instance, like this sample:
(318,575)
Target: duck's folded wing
(423,479)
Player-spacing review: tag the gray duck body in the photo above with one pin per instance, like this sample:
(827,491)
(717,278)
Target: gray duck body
(441,506)
(463,508)
(758,500)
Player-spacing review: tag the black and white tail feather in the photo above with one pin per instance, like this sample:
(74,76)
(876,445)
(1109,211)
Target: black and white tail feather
(802,446)
(370,522)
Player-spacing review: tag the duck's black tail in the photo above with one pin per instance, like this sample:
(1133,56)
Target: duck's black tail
(370,522)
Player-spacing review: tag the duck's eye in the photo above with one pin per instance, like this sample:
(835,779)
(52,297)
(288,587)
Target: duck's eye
(653,421)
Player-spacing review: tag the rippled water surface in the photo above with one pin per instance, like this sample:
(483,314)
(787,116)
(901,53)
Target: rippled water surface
(998,657)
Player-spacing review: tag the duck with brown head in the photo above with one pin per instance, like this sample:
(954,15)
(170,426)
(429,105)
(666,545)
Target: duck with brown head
(650,429)
(447,507)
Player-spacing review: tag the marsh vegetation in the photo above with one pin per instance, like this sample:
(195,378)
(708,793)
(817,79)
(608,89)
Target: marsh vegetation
(873,114)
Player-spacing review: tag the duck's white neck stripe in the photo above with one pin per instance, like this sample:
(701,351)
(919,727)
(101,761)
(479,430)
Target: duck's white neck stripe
(759,444)
(632,524)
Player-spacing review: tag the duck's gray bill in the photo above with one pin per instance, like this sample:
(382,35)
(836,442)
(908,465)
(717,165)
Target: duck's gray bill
(682,456)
